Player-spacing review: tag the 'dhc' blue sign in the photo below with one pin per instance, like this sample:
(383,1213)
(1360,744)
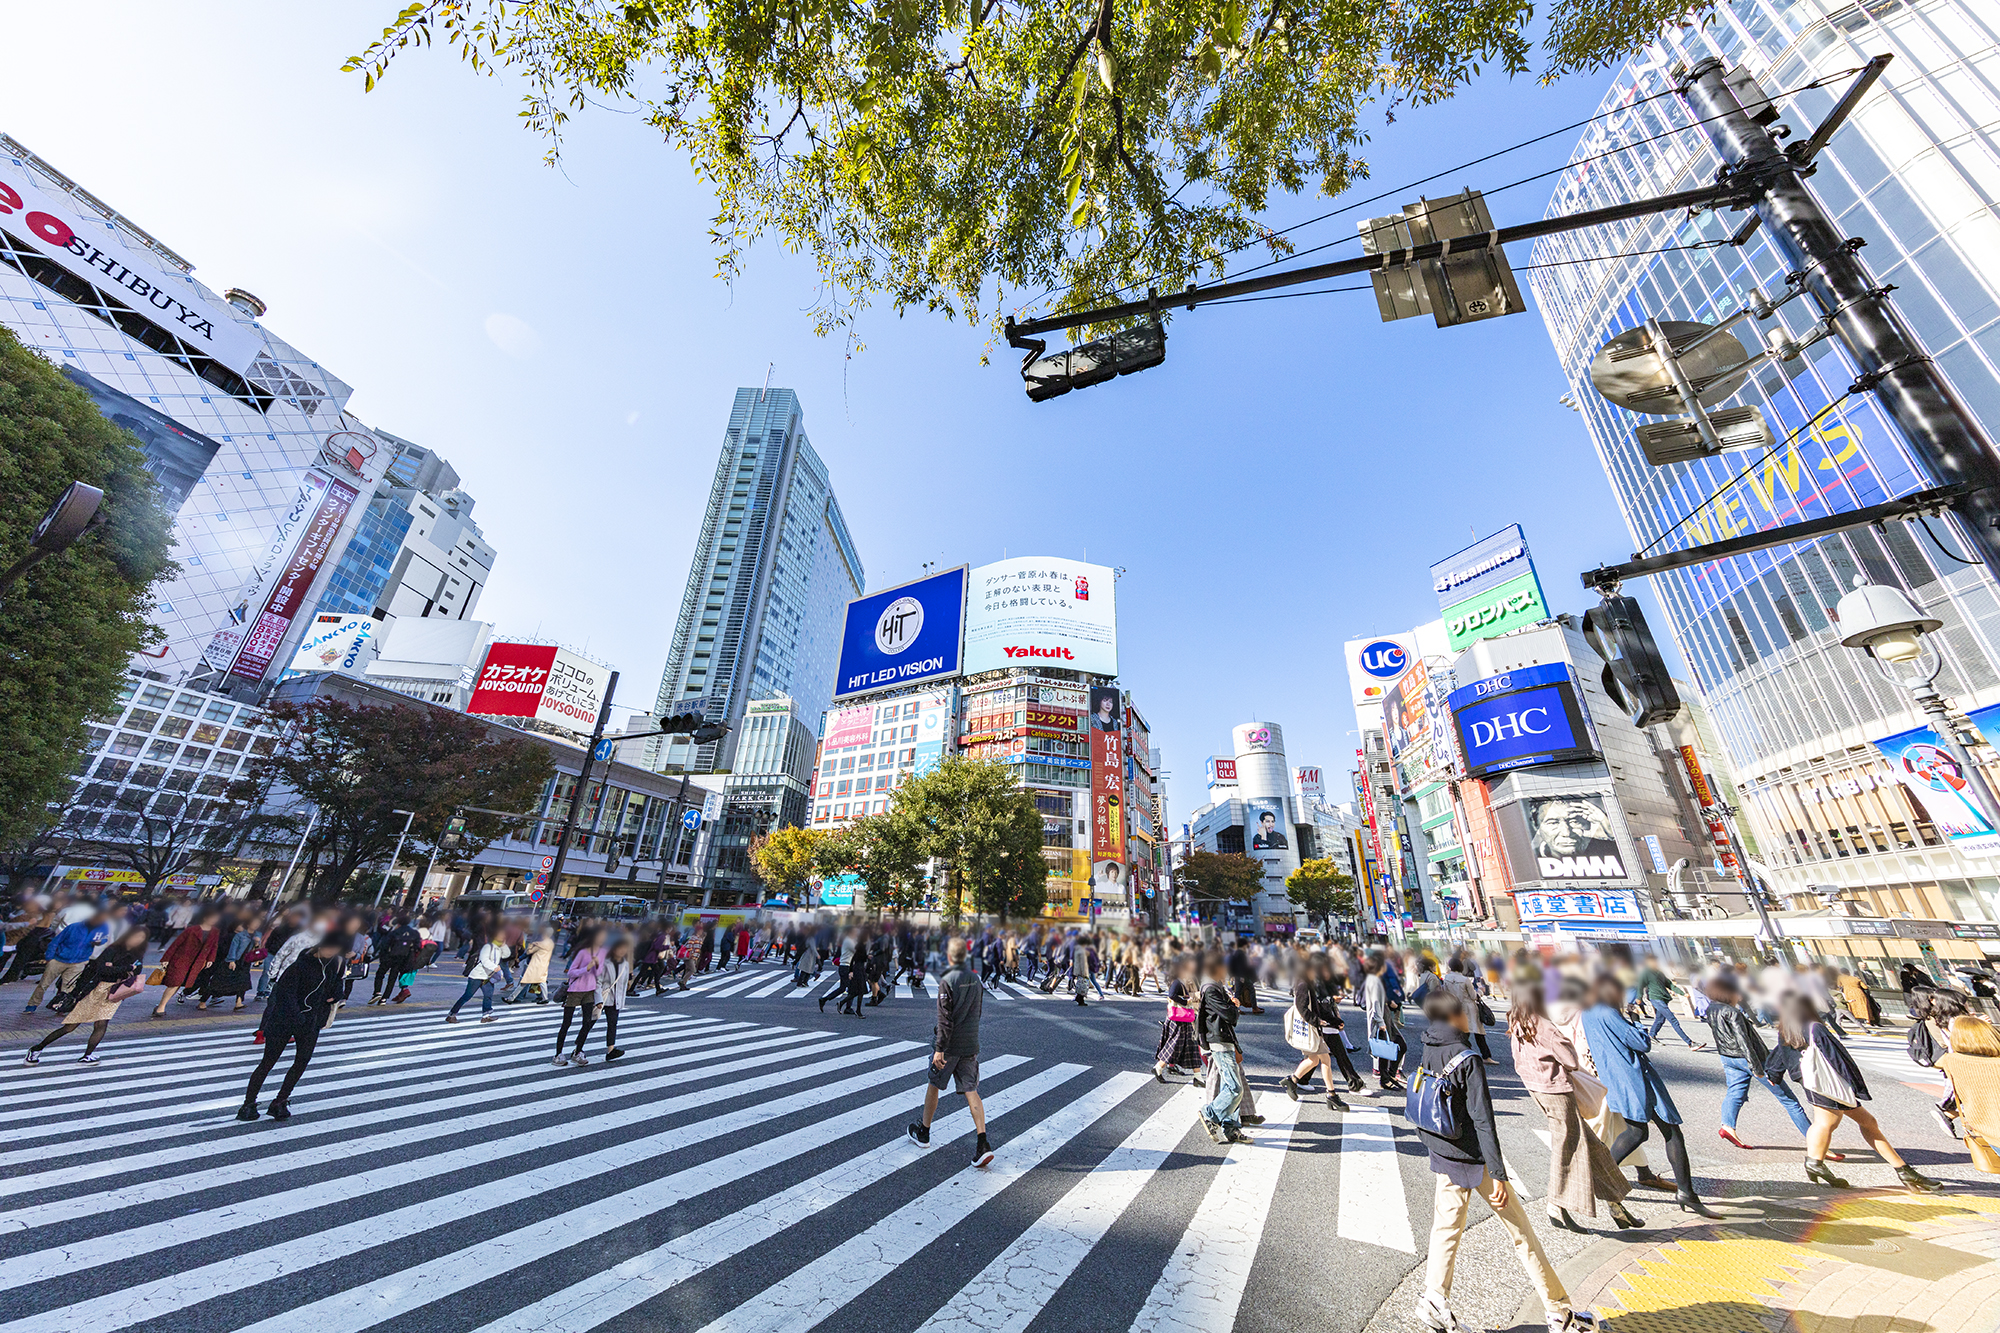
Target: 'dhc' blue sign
(1521,719)
(903,635)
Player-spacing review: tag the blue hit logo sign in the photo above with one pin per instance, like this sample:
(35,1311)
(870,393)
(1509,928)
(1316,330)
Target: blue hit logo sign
(1384,659)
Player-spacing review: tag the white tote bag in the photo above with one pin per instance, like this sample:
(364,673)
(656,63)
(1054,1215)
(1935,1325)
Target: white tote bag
(1824,1078)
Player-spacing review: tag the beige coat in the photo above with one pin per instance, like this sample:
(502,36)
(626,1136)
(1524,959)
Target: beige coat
(537,972)
(1976,1080)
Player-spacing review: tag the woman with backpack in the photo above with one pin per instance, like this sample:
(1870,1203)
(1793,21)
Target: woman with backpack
(1451,1107)
(1635,1090)
(1831,1085)
(106,981)
(1581,1169)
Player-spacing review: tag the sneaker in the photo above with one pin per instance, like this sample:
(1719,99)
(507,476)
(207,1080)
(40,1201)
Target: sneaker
(982,1152)
(561,1060)
(920,1134)
(1238,1136)
(1252,1119)
(279,1111)
(451,1018)
(489,1018)
(249,1112)
(29,1010)
(32,1058)
(615,1053)
(1576,1321)
(1216,1133)
(1432,1313)
(579,1059)
(87,1058)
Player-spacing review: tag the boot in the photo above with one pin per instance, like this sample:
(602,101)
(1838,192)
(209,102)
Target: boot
(249,1111)
(1559,1217)
(1915,1180)
(1624,1217)
(1690,1204)
(1290,1085)
(1817,1172)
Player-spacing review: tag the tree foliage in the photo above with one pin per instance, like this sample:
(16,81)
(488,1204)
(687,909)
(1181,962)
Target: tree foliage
(970,156)
(978,820)
(886,853)
(789,859)
(359,765)
(73,622)
(1321,889)
(1219,876)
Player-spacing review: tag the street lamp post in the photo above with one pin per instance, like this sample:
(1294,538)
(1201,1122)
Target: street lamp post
(74,513)
(1883,623)
(383,887)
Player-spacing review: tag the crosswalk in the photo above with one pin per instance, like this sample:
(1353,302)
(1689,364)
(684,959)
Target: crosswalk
(722,1177)
(1889,1056)
(766,983)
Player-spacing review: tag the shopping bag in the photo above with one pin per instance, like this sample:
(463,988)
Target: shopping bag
(1589,1093)
(1984,1158)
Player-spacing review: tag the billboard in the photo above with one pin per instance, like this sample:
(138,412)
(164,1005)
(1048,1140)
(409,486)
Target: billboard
(850,726)
(305,538)
(1520,719)
(934,724)
(175,455)
(1570,837)
(1042,611)
(1589,911)
(336,643)
(1107,777)
(1488,588)
(540,681)
(90,249)
(1514,605)
(1937,784)
(1375,665)
(903,635)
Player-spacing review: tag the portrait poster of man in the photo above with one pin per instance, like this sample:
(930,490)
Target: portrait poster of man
(1107,879)
(1265,821)
(1571,838)
(1106,713)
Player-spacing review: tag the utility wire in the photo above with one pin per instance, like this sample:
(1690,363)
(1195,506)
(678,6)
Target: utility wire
(1553,263)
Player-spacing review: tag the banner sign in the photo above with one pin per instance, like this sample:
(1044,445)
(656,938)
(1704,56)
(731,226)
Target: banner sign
(1524,718)
(335,643)
(851,726)
(1511,606)
(1595,909)
(309,552)
(541,681)
(1107,776)
(1938,785)
(1488,588)
(902,635)
(90,249)
(1042,611)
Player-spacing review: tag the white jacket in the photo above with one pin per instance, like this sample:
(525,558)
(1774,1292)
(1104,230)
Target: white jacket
(613,980)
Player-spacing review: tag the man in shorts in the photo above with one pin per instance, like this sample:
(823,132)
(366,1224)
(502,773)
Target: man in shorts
(955,1052)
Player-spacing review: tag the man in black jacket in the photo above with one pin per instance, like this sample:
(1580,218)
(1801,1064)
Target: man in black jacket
(302,1003)
(1215,1030)
(955,1052)
(1468,1160)
(1743,1059)
(395,953)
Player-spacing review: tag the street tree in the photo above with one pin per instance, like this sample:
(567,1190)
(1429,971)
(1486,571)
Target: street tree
(1219,876)
(357,765)
(975,156)
(1321,889)
(788,860)
(72,622)
(886,853)
(158,835)
(977,818)
(43,844)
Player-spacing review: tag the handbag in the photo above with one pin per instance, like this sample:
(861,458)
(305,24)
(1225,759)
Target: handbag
(1984,1158)
(158,977)
(125,990)
(1179,1013)
(1823,1078)
(1300,1035)
(1426,1106)
(1486,1018)
(1589,1092)
(1383,1049)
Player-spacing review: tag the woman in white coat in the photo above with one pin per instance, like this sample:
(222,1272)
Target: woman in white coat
(614,979)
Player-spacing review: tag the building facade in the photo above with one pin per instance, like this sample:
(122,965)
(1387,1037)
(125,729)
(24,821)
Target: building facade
(1915,174)
(772,573)
(768,787)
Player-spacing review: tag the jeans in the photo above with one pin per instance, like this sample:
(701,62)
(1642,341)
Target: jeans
(1222,1110)
(1663,1016)
(1736,1073)
(486,998)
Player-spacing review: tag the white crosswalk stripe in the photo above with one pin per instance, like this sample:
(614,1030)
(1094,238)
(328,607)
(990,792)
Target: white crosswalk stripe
(427,1165)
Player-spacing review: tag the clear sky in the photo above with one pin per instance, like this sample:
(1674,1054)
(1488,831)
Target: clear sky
(1280,485)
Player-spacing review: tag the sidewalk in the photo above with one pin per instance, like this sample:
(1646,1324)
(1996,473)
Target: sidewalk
(1873,1262)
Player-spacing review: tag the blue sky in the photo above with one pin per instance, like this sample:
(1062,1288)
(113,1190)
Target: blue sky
(1280,485)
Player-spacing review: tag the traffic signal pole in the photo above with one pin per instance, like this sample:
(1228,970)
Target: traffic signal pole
(1893,363)
(578,796)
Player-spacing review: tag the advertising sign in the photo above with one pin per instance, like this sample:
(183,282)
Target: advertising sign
(934,715)
(1221,769)
(1570,837)
(1481,567)
(1267,836)
(903,635)
(175,455)
(1042,611)
(295,578)
(1523,718)
(541,681)
(335,643)
(851,726)
(1310,784)
(1375,665)
(1107,776)
(1513,605)
(1607,911)
(1938,785)
(89,248)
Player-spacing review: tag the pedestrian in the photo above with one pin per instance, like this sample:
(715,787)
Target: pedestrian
(955,1050)
(1973,1067)
(484,956)
(614,979)
(1581,1168)
(1464,1149)
(535,974)
(302,1003)
(1745,1060)
(1384,1025)
(1862,1006)
(580,993)
(1658,991)
(229,974)
(67,954)
(1635,1089)
(189,956)
(1083,970)
(1313,1029)
(1831,1084)
(107,981)
(1179,1053)
(1458,979)
(396,945)
(1216,1033)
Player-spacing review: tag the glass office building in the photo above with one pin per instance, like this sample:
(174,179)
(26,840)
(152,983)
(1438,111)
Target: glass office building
(1915,175)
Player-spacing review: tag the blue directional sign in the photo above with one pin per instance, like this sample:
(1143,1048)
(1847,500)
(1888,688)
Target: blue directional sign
(604,749)
(904,635)
(691,820)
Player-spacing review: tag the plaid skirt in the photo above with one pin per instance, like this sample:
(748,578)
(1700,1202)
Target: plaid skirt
(1178,1046)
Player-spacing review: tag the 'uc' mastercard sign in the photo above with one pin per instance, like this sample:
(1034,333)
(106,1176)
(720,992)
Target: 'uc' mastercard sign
(1374,665)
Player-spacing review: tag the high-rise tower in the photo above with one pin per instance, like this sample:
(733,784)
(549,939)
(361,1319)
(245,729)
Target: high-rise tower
(771,575)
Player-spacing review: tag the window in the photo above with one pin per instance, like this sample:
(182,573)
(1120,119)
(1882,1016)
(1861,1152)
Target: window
(843,787)
(847,764)
(218,712)
(236,740)
(194,756)
(175,727)
(866,762)
(97,737)
(188,704)
(155,697)
(141,720)
(910,732)
(113,770)
(127,743)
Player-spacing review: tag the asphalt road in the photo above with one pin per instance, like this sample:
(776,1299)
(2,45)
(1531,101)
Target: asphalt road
(742,1168)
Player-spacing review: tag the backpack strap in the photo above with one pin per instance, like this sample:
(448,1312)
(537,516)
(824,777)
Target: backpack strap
(1451,1066)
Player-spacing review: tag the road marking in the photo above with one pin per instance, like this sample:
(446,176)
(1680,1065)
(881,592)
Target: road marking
(1373,1209)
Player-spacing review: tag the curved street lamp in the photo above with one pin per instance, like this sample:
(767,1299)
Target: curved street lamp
(73,514)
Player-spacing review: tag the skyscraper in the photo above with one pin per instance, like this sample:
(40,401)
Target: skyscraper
(771,575)
(1911,175)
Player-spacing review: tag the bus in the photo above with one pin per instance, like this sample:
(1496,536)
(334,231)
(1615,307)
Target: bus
(619,907)
(507,904)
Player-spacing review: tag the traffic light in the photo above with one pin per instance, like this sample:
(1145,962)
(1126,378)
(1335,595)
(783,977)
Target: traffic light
(688,720)
(1635,676)
(1094,362)
(454,833)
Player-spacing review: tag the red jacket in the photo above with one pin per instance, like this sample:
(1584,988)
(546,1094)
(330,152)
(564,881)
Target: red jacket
(190,953)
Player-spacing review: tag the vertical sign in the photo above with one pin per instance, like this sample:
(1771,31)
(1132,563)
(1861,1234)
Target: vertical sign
(295,580)
(1718,831)
(1107,791)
